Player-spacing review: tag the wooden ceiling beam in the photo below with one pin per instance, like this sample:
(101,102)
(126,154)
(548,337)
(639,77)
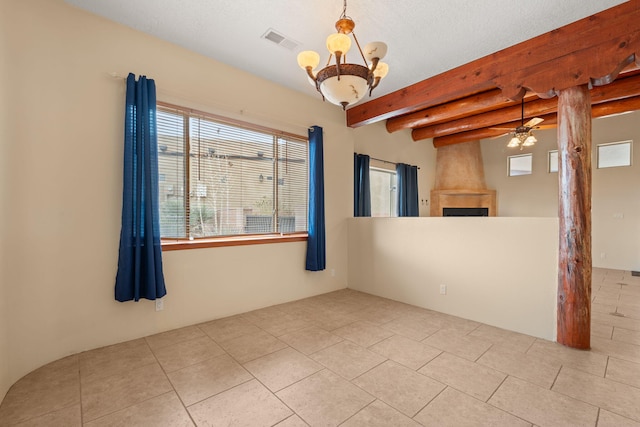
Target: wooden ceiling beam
(599,110)
(589,51)
(620,89)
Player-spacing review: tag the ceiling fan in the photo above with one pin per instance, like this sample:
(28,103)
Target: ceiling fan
(522,135)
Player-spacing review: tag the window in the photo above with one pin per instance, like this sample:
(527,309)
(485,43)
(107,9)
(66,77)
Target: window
(614,154)
(238,179)
(520,165)
(553,161)
(383,192)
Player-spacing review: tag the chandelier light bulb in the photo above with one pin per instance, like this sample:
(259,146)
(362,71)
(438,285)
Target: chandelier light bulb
(381,71)
(308,58)
(338,42)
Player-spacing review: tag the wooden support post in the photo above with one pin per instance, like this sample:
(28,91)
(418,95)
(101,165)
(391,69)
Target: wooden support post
(574,212)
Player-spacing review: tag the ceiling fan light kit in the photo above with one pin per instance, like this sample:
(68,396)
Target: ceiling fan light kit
(523,136)
(345,83)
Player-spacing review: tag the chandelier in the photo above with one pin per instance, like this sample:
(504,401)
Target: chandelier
(344,83)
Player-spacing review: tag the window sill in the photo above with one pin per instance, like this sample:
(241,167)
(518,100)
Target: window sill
(175,245)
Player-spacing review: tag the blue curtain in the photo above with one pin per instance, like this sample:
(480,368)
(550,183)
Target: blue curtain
(316,251)
(407,177)
(361,185)
(140,257)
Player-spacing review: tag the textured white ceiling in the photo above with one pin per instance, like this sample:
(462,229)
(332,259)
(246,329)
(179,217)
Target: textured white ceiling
(425,37)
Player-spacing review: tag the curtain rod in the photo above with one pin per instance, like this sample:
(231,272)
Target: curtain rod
(385,161)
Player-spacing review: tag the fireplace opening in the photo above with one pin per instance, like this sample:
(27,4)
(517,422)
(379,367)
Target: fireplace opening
(465,211)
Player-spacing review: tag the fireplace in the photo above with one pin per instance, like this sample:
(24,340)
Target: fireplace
(460,182)
(465,211)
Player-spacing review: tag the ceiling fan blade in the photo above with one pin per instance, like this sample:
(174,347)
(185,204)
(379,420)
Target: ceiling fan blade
(533,122)
(546,127)
(500,136)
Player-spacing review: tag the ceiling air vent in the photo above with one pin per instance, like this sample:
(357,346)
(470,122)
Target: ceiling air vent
(277,38)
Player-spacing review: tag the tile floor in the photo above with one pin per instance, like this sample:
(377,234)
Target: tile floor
(351,359)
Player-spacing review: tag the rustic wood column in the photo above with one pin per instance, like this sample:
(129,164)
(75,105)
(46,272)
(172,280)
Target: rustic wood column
(574,212)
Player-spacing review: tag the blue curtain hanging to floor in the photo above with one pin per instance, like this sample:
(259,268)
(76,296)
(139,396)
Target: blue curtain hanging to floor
(140,256)
(407,177)
(316,252)
(361,185)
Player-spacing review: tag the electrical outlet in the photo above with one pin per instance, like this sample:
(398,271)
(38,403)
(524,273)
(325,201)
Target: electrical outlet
(443,289)
(333,272)
(159,304)
(603,255)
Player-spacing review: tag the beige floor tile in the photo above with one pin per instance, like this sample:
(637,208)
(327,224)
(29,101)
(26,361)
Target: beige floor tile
(616,321)
(249,404)
(617,349)
(103,395)
(347,359)
(398,386)
(607,394)
(609,419)
(324,399)
(623,372)
(174,337)
(200,381)
(587,361)
(469,377)
(228,328)
(379,414)
(252,346)
(629,312)
(536,369)
(606,300)
(452,408)
(267,313)
(282,368)
(414,327)
(331,321)
(187,353)
(67,417)
(542,407)
(451,323)
(363,333)
(377,315)
(114,360)
(284,324)
(50,388)
(625,335)
(163,410)
(407,352)
(469,347)
(603,331)
(310,340)
(292,421)
(603,308)
(504,338)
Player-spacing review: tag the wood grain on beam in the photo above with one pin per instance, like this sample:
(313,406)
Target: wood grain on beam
(574,214)
(591,48)
(599,110)
(622,88)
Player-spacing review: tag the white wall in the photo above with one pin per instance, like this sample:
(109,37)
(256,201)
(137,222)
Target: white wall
(615,190)
(398,147)
(5,135)
(499,271)
(65,165)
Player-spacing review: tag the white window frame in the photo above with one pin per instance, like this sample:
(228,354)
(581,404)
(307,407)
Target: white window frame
(600,151)
(510,171)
